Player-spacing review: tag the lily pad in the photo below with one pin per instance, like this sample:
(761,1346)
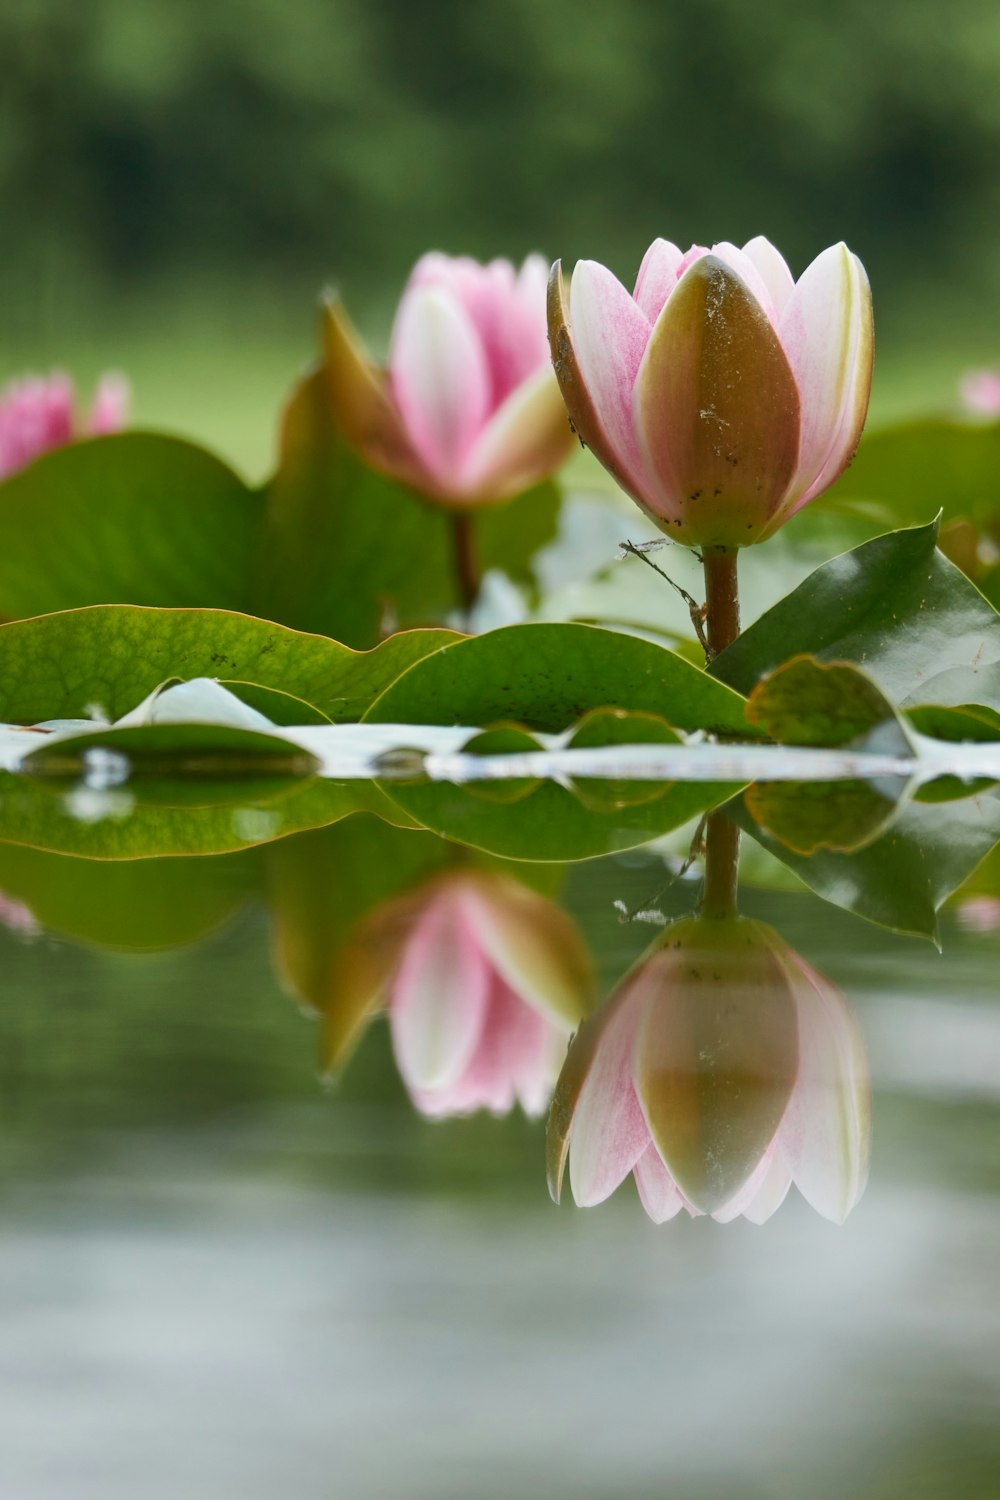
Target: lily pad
(894,606)
(111,657)
(135,518)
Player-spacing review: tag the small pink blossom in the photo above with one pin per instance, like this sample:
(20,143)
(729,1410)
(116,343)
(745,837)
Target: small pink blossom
(723,1069)
(721,394)
(980,391)
(979,914)
(38,414)
(468,411)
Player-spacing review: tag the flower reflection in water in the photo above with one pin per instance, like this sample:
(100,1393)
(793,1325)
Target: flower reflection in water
(722,1070)
(483,980)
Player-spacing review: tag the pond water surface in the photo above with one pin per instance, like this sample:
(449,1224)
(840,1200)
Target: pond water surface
(222,1276)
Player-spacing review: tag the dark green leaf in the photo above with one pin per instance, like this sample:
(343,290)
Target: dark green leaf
(894,606)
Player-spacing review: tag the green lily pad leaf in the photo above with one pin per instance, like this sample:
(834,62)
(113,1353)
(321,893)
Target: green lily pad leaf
(349,553)
(808,702)
(139,906)
(902,878)
(547,677)
(113,656)
(894,606)
(808,816)
(910,472)
(134,518)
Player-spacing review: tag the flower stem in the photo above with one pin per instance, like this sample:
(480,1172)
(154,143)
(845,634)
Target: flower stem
(466,563)
(722,598)
(722,866)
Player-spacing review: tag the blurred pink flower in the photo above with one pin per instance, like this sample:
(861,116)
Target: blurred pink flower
(39,413)
(468,411)
(979,913)
(723,1069)
(486,981)
(18,917)
(980,391)
(721,394)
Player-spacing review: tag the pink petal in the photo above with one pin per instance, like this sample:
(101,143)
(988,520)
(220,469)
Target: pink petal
(773,270)
(109,410)
(533,946)
(439,998)
(826,330)
(610,334)
(716,409)
(608,1133)
(746,269)
(514,1058)
(826,1135)
(657,277)
(439,380)
(760,1190)
(771,1193)
(657,1189)
(522,443)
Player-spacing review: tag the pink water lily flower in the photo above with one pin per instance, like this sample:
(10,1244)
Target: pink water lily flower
(721,394)
(468,411)
(980,391)
(39,413)
(483,980)
(722,1070)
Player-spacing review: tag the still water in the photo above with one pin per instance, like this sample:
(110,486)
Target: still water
(222,1274)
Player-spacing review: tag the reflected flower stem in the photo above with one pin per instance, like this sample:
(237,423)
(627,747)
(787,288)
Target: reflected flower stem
(722,867)
(464,553)
(722,835)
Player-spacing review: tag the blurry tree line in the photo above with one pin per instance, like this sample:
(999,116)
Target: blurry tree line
(304,139)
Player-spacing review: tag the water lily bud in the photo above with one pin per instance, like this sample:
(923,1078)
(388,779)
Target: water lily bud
(721,1070)
(38,414)
(722,394)
(483,980)
(468,411)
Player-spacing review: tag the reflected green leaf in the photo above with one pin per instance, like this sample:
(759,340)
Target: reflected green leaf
(806,817)
(140,906)
(161,817)
(902,878)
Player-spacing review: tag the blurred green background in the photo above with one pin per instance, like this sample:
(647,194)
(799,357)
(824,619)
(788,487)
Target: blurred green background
(179,179)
